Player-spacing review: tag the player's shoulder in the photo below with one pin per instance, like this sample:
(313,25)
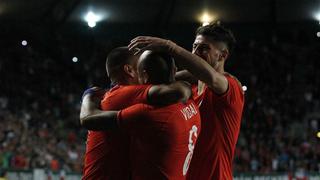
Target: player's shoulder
(187,111)
(164,111)
(191,103)
(116,94)
(232,78)
(123,89)
(133,86)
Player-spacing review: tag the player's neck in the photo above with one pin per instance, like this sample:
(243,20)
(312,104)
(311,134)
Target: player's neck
(220,68)
(127,82)
(123,83)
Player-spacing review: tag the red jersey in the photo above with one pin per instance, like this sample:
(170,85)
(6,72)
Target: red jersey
(107,152)
(163,139)
(220,122)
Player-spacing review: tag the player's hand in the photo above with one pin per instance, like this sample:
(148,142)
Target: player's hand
(143,43)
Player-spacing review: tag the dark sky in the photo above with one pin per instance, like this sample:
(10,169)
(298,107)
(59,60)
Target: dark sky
(162,11)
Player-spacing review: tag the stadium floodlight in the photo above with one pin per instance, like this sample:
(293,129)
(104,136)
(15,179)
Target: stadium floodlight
(318,134)
(206,18)
(92,19)
(24,43)
(244,88)
(317,16)
(318,34)
(92,24)
(75,59)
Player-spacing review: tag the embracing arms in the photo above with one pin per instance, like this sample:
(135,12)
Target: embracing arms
(93,118)
(191,62)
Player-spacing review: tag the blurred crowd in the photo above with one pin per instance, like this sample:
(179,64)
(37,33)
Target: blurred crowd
(282,113)
(40,99)
(39,109)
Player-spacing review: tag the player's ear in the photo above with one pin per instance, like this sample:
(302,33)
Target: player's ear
(224,55)
(108,73)
(129,70)
(145,77)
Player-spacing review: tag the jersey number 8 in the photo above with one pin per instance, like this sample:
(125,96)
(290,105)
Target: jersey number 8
(192,133)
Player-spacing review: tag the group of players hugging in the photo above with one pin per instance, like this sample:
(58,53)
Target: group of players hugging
(157,123)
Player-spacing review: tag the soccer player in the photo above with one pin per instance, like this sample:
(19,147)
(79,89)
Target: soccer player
(107,152)
(163,138)
(221,97)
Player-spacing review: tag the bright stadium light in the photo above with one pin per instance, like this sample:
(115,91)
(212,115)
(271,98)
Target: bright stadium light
(206,18)
(24,43)
(92,19)
(75,59)
(318,34)
(318,134)
(244,88)
(317,16)
(92,24)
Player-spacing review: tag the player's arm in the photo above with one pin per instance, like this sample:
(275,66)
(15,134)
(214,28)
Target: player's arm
(185,75)
(191,62)
(200,69)
(165,94)
(92,118)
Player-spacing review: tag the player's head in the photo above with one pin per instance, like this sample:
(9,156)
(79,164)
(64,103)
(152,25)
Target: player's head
(156,68)
(213,43)
(121,65)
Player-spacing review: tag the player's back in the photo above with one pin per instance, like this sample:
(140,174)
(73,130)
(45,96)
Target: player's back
(107,152)
(163,139)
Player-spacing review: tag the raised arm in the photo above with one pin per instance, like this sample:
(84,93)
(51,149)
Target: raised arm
(191,62)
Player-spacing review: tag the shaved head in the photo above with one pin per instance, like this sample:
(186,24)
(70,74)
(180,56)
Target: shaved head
(156,68)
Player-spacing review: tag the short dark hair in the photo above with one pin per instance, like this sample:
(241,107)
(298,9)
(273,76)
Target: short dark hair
(159,67)
(218,33)
(116,59)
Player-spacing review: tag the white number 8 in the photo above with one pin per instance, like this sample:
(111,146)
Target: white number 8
(192,132)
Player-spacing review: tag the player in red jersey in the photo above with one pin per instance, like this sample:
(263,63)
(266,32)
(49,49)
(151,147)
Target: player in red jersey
(163,138)
(107,152)
(220,97)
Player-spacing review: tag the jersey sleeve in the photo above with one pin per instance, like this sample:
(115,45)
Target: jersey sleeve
(125,96)
(234,94)
(131,119)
